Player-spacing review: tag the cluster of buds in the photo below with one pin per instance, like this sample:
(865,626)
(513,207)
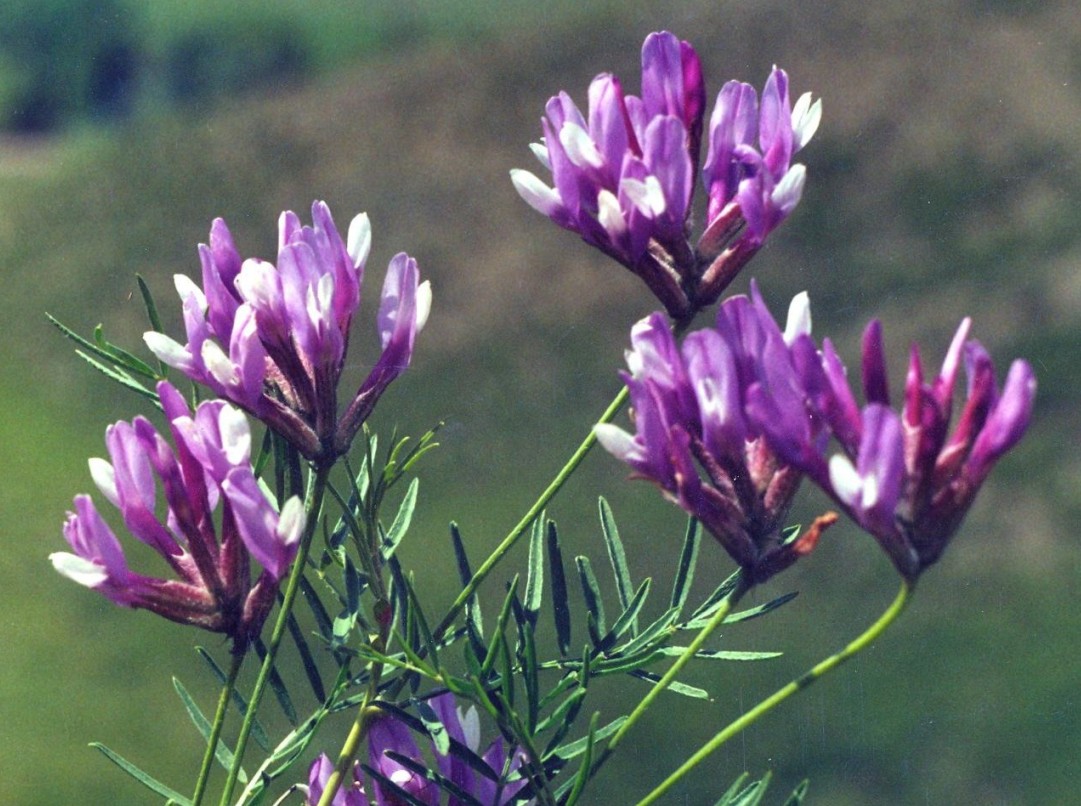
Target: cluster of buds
(753,410)
(273,338)
(491,778)
(210,470)
(624,175)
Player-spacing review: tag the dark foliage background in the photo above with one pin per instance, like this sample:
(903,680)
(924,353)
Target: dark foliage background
(945,181)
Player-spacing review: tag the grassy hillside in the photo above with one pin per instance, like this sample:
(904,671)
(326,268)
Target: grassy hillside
(945,181)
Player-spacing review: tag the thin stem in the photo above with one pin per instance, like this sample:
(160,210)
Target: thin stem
(522,525)
(313,503)
(820,670)
(742,586)
(363,722)
(216,728)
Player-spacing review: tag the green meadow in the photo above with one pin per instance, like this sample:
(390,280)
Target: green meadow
(945,181)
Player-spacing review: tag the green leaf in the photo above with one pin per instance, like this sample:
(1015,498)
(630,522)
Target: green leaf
(148,302)
(585,767)
(675,686)
(433,726)
(652,634)
(534,581)
(527,659)
(416,612)
(713,601)
(284,755)
(688,557)
(594,604)
(721,654)
(277,685)
(120,376)
(618,558)
(492,650)
(798,794)
(257,731)
(311,670)
(761,610)
(142,777)
(472,607)
(578,746)
(222,753)
(401,521)
(319,612)
(629,617)
(561,611)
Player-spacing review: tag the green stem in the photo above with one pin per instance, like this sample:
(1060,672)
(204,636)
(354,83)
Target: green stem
(820,670)
(317,485)
(522,525)
(216,728)
(742,586)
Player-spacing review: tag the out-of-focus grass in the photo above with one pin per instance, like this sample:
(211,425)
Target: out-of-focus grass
(944,182)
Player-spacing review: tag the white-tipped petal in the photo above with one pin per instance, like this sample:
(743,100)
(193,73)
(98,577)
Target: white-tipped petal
(104,476)
(291,522)
(423,303)
(186,287)
(805,119)
(219,365)
(235,435)
(167,350)
(536,194)
(787,193)
(540,151)
(614,440)
(846,480)
(580,148)
(799,318)
(610,215)
(647,196)
(359,239)
(77,569)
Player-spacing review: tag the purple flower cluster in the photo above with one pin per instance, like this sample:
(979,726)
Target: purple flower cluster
(904,477)
(489,786)
(695,438)
(727,426)
(208,473)
(624,174)
(273,338)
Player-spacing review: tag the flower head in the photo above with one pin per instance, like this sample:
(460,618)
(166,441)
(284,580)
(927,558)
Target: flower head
(623,174)
(488,778)
(694,439)
(208,472)
(272,338)
(903,476)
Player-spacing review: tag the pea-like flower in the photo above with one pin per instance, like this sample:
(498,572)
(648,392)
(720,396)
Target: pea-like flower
(624,174)
(904,477)
(216,519)
(695,440)
(486,778)
(273,338)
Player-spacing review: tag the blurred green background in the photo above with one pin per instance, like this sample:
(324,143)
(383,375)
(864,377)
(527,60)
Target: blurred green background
(945,181)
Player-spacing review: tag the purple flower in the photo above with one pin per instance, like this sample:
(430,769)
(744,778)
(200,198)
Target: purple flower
(497,786)
(694,439)
(623,175)
(216,519)
(273,338)
(754,187)
(904,477)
